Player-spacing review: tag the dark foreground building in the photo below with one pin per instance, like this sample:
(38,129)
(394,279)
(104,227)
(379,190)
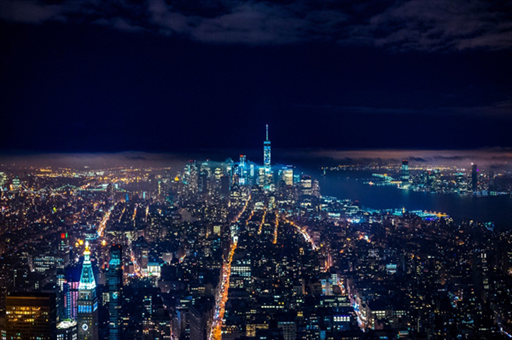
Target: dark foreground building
(30,316)
(115,284)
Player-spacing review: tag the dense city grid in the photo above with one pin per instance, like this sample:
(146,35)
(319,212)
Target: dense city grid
(233,250)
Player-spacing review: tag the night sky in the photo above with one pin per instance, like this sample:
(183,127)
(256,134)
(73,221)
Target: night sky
(96,76)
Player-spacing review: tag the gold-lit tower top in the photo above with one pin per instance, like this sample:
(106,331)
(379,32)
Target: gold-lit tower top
(87,281)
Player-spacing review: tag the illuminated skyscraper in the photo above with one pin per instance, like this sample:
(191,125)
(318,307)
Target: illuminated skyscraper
(474,177)
(87,301)
(70,289)
(261,176)
(251,171)
(267,161)
(3,179)
(16,184)
(115,283)
(287,175)
(202,182)
(306,185)
(242,171)
(405,174)
(224,186)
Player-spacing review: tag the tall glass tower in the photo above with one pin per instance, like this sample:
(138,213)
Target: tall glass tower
(266,162)
(115,284)
(87,301)
(405,171)
(242,170)
(474,177)
(404,176)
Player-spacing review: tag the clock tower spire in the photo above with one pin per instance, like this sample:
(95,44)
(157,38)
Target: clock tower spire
(87,301)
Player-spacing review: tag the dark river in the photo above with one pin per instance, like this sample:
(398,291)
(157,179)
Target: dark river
(350,184)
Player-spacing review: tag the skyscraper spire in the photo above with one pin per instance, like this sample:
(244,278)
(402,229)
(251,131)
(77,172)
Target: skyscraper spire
(267,162)
(87,278)
(87,315)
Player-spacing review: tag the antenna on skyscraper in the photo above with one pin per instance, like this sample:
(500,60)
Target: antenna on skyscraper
(267,131)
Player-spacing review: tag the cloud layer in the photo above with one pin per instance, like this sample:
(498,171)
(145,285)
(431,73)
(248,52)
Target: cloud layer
(462,158)
(501,109)
(439,25)
(487,157)
(398,26)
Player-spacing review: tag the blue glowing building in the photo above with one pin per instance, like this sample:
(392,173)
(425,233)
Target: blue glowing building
(405,175)
(266,162)
(115,284)
(242,171)
(87,301)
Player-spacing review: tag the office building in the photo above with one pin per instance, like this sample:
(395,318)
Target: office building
(16,184)
(67,330)
(287,175)
(30,316)
(306,185)
(224,186)
(202,182)
(70,292)
(3,179)
(115,284)
(474,177)
(289,329)
(242,171)
(251,171)
(201,314)
(404,176)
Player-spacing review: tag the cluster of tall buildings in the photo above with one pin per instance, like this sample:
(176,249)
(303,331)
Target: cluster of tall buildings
(218,179)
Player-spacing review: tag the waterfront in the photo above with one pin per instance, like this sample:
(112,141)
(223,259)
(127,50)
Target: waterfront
(350,184)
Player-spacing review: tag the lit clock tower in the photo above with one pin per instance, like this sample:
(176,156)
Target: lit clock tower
(267,163)
(87,301)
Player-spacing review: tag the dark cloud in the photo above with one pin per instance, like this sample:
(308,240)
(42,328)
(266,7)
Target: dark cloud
(501,109)
(93,160)
(486,156)
(136,158)
(406,25)
(439,25)
(120,24)
(302,157)
(417,159)
(30,11)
